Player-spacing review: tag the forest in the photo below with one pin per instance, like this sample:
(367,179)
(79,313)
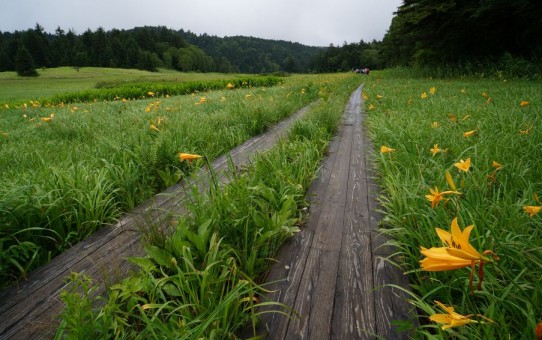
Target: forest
(469,36)
(150,48)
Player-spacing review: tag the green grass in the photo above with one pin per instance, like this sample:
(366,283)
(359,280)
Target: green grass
(491,199)
(66,79)
(66,177)
(201,281)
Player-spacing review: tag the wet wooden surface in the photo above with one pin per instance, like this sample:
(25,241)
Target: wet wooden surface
(31,309)
(334,273)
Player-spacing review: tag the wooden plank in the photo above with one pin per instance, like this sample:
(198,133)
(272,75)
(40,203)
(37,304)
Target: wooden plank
(330,223)
(283,282)
(31,307)
(354,315)
(315,297)
(285,275)
(317,291)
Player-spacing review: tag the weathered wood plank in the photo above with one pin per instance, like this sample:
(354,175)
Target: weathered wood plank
(285,275)
(340,294)
(354,315)
(30,308)
(315,297)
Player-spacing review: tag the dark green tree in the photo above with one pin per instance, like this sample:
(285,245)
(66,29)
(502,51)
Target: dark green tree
(24,63)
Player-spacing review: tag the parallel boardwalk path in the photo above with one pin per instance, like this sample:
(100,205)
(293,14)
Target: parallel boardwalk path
(333,273)
(30,310)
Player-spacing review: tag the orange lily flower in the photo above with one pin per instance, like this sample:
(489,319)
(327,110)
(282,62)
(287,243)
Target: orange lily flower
(469,133)
(458,242)
(435,196)
(463,165)
(496,165)
(532,209)
(385,149)
(435,149)
(451,318)
(524,103)
(188,157)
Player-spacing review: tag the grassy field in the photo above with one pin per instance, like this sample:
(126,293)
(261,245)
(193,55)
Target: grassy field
(469,149)
(202,282)
(69,168)
(66,79)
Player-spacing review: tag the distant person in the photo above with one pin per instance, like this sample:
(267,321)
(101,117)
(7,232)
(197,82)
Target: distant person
(366,71)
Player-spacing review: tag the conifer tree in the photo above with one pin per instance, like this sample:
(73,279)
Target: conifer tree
(24,64)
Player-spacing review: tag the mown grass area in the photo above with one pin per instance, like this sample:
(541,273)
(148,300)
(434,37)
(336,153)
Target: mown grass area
(70,168)
(428,128)
(66,79)
(201,281)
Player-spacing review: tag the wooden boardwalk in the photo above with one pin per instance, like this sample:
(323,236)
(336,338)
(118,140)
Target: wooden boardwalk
(330,273)
(333,273)
(30,310)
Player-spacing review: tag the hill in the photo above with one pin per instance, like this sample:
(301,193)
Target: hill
(150,48)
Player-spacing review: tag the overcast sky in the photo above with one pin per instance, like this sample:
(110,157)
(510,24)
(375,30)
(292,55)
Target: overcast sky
(310,22)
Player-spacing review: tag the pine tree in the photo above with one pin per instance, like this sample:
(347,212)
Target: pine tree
(24,64)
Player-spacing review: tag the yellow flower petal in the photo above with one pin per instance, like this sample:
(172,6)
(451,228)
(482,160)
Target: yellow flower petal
(532,210)
(463,165)
(385,149)
(469,133)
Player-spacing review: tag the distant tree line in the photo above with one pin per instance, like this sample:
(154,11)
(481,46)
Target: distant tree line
(456,33)
(426,32)
(348,57)
(149,48)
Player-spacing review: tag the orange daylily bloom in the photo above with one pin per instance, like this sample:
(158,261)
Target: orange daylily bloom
(458,252)
(463,165)
(450,180)
(424,95)
(371,107)
(451,318)
(378,96)
(458,242)
(434,124)
(532,209)
(469,133)
(525,132)
(438,259)
(452,118)
(153,127)
(524,103)
(435,149)
(230,86)
(385,149)
(48,119)
(435,196)
(496,165)
(188,157)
